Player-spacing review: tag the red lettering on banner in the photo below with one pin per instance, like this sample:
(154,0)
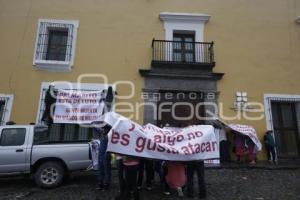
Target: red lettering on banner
(125,139)
(115,137)
(191,136)
(170,140)
(157,138)
(132,127)
(140,144)
(199,148)
(179,138)
(149,145)
(185,150)
(208,146)
(195,135)
(174,151)
(198,134)
(214,144)
(202,147)
(160,148)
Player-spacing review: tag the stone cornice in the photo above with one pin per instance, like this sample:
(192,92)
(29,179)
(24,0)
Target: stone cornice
(188,17)
(214,76)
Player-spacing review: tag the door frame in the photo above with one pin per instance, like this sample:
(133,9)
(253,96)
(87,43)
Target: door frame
(269,98)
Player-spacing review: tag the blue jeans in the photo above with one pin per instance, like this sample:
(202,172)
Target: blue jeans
(104,169)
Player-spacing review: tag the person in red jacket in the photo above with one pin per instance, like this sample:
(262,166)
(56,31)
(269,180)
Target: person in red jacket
(175,177)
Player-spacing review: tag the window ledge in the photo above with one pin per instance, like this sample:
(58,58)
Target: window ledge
(53,66)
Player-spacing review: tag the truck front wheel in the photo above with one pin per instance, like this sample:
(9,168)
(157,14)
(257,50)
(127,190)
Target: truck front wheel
(49,175)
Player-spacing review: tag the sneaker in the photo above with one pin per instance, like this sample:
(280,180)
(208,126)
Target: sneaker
(179,191)
(167,193)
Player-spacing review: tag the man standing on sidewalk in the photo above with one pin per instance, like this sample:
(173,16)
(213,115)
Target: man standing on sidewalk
(270,146)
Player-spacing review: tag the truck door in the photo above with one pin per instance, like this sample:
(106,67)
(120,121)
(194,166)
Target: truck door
(12,150)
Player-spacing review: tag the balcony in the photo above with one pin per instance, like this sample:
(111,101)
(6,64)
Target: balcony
(170,54)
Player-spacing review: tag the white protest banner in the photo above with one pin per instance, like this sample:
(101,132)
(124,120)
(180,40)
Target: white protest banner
(215,161)
(149,141)
(81,107)
(248,131)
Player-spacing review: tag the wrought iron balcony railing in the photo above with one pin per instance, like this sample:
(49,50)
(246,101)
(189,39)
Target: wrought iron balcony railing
(178,52)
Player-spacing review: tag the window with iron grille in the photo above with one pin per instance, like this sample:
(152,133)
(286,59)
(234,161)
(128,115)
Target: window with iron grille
(55,44)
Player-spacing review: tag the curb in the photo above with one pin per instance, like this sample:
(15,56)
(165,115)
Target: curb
(270,167)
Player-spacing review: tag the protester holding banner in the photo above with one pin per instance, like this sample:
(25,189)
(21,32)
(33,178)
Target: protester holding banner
(50,100)
(240,149)
(196,142)
(252,151)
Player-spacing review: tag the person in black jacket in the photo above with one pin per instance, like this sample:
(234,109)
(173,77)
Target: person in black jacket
(50,100)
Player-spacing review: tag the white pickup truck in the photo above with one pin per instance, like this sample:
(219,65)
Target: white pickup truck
(28,150)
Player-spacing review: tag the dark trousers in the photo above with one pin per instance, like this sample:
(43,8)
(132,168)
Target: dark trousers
(148,166)
(158,170)
(165,173)
(224,151)
(197,167)
(271,153)
(131,182)
(104,169)
(121,177)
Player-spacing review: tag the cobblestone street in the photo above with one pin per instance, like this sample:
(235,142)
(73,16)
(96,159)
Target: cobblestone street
(237,183)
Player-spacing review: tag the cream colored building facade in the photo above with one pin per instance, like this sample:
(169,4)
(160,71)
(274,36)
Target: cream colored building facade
(256,46)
